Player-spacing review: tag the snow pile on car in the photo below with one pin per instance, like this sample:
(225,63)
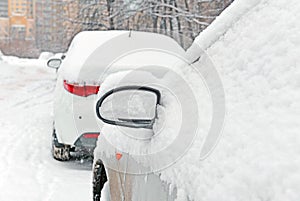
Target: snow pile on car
(258,155)
(177,101)
(81,48)
(184,112)
(219,26)
(256,52)
(91,53)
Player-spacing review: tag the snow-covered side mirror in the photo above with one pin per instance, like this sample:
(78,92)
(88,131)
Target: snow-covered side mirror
(54,63)
(129,106)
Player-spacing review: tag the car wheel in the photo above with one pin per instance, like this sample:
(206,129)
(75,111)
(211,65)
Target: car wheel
(60,151)
(99,179)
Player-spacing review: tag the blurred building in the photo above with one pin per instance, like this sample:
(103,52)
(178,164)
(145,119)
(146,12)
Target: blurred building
(71,24)
(4,9)
(21,19)
(43,24)
(50,25)
(4,22)
(17,27)
(58,34)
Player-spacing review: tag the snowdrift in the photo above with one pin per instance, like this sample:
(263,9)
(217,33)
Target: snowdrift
(256,53)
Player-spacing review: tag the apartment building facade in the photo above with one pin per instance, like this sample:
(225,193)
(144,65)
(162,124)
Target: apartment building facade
(21,14)
(4,22)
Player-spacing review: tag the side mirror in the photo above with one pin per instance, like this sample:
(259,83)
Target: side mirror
(129,106)
(54,63)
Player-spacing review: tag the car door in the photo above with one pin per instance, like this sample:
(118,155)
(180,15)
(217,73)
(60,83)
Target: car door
(131,109)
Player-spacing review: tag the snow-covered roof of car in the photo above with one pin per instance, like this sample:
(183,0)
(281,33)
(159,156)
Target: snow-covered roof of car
(97,49)
(84,43)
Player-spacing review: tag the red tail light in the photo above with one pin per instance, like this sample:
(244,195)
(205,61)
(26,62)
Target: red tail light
(81,90)
(91,135)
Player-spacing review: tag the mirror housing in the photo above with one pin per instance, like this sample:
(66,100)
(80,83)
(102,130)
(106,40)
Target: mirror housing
(142,121)
(54,63)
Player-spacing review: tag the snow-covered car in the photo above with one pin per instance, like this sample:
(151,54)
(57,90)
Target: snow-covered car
(80,76)
(113,108)
(132,110)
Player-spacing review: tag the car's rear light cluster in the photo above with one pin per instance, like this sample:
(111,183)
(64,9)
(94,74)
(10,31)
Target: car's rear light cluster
(81,90)
(91,135)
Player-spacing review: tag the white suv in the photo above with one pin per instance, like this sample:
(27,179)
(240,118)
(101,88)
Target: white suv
(80,75)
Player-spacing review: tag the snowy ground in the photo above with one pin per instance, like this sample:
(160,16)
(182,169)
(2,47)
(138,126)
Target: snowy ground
(27,170)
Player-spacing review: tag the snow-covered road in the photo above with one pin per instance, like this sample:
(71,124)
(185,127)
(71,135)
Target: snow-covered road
(27,170)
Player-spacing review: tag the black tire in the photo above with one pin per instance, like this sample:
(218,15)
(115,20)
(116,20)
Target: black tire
(99,179)
(60,151)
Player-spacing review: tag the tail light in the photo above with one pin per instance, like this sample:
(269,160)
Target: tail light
(91,135)
(81,90)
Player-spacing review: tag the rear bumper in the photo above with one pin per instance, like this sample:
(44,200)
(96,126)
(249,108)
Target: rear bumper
(86,143)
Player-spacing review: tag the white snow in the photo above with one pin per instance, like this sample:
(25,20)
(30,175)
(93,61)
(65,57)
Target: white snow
(169,123)
(46,55)
(82,46)
(258,156)
(25,62)
(256,53)
(27,170)
(114,134)
(91,54)
(236,11)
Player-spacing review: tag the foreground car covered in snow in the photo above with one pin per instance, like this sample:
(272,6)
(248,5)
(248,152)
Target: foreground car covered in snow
(141,120)
(129,110)
(142,115)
